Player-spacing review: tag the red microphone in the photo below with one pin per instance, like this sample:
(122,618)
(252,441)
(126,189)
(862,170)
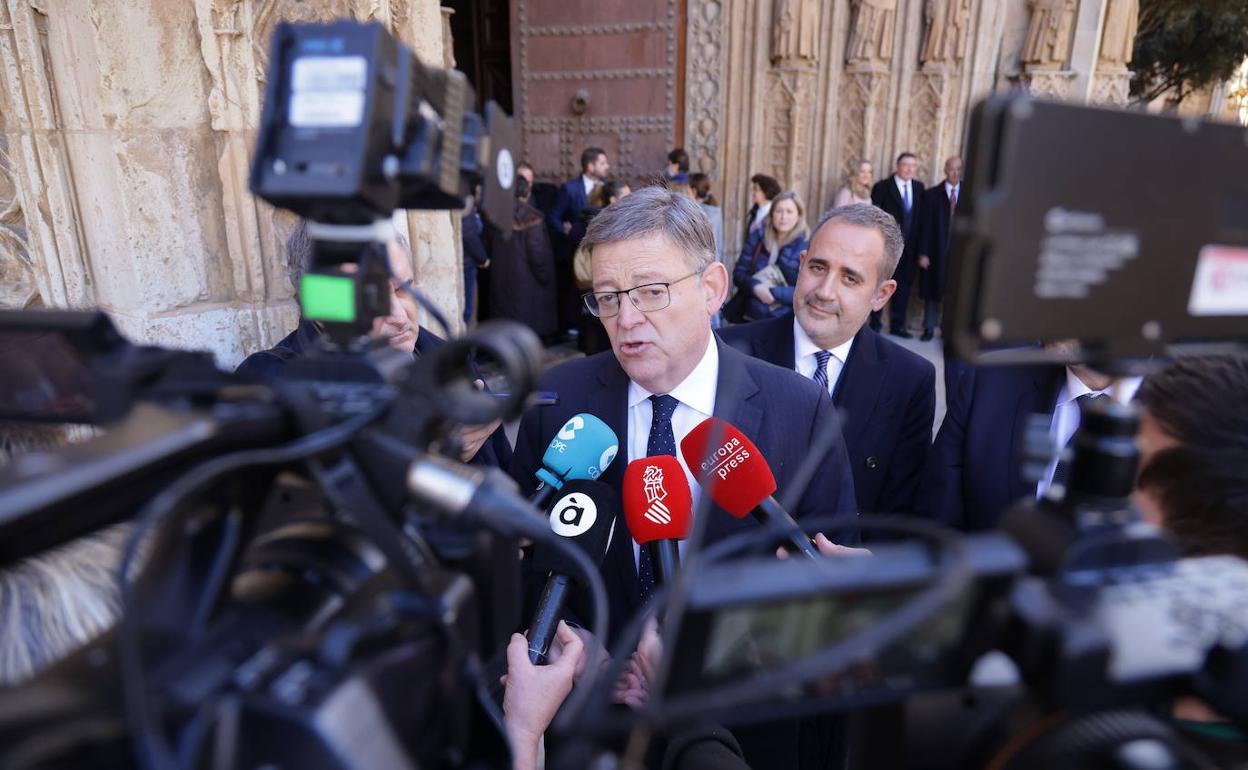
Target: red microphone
(658,507)
(738,479)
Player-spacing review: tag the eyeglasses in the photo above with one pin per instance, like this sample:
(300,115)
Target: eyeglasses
(647,298)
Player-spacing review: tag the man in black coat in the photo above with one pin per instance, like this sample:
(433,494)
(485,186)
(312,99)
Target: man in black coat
(572,200)
(885,394)
(656,287)
(902,196)
(935,215)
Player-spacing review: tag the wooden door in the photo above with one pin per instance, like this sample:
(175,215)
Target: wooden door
(605,73)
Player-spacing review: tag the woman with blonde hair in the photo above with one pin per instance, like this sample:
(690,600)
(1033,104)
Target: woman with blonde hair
(767,268)
(857,187)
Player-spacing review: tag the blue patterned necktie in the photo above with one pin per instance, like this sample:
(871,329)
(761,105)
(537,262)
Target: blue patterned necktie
(662,441)
(821,369)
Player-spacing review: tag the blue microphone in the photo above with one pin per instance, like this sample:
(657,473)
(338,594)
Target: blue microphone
(582,449)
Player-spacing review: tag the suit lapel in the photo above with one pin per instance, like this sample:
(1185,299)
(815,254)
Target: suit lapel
(861,384)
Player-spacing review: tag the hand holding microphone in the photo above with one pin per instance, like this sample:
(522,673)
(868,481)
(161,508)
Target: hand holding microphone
(585,512)
(738,479)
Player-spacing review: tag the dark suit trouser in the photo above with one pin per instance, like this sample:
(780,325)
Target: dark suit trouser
(901,298)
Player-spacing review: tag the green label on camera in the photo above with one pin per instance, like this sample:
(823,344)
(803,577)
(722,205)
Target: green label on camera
(327,298)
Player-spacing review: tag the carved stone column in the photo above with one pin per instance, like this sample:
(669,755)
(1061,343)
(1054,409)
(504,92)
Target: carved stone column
(704,91)
(935,89)
(790,93)
(1047,49)
(1112,82)
(864,83)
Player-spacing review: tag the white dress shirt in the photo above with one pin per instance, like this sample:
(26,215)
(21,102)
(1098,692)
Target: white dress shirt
(904,188)
(1066,415)
(589,183)
(696,394)
(950,189)
(804,350)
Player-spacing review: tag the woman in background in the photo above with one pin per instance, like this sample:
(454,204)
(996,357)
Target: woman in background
(857,187)
(767,267)
(701,186)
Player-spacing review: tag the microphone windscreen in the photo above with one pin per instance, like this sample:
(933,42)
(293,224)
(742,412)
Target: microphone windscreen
(658,504)
(585,513)
(731,470)
(582,449)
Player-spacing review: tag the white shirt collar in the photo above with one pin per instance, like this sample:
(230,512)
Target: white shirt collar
(1123,393)
(901,183)
(589,183)
(696,391)
(949,188)
(804,346)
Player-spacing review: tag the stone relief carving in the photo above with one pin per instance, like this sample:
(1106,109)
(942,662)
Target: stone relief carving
(703,75)
(945,24)
(18,288)
(861,107)
(788,135)
(1049,33)
(872,31)
(795,30)
(1122,19)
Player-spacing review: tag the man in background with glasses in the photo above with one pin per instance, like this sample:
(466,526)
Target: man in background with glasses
(656,287)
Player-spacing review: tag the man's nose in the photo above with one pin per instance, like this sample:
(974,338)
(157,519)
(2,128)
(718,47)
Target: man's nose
(629,316)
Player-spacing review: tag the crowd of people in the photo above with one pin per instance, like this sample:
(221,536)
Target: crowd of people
(784,342)
(555,272)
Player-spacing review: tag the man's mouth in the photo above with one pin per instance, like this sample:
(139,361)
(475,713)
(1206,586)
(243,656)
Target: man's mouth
(633,348)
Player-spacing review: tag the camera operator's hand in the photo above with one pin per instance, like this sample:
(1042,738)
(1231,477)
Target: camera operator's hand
(633,689)
(594,653)
(534,693)
(828,548)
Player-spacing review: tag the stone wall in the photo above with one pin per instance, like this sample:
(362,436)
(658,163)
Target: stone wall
(126,129)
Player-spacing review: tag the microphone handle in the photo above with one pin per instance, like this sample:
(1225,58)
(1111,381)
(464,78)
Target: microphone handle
(665,558)
(769,510)
(546,618)
(541,497)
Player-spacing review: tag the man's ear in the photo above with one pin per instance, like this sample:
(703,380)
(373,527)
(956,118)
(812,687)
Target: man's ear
(883,294)
(715,287)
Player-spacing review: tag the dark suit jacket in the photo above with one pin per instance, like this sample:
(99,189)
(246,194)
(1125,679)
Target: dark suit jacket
(780,411)
(567,208)
(886,398)
(974,472)
(885,195)
(934,242)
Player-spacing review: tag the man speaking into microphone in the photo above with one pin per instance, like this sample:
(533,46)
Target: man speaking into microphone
(656,287)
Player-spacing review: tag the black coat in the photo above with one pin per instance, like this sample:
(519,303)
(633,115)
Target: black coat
(934,242)
(974,472)
(522,287)
(885,195)
(886,397)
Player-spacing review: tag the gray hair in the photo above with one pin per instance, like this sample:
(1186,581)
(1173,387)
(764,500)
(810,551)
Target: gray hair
(299,251)
(53,603)
(868,215)
(656,211)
